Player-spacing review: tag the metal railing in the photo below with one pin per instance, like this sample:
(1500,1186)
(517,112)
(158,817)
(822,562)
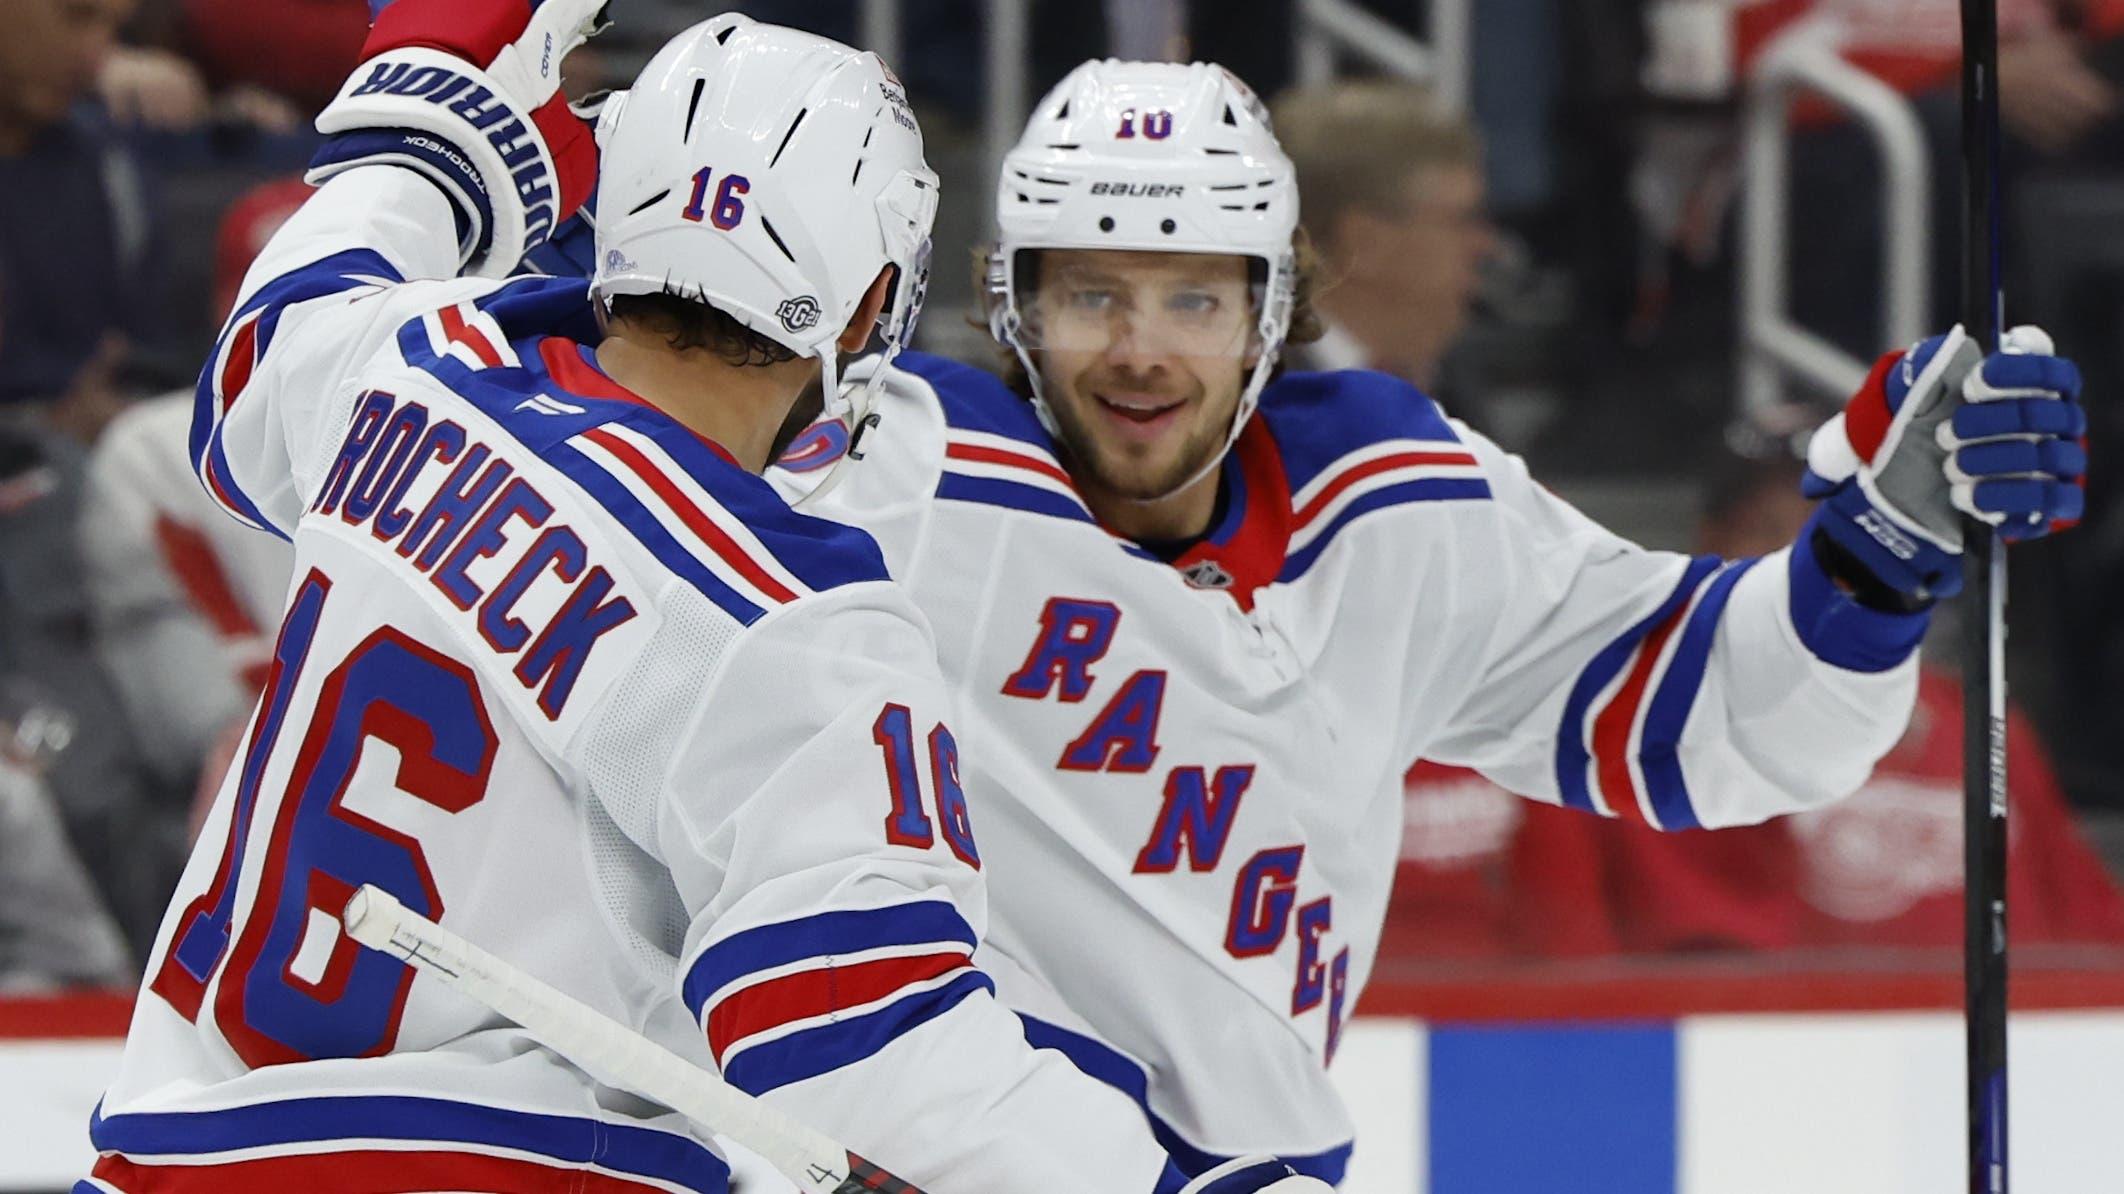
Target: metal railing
(1774,347)
(1330,29)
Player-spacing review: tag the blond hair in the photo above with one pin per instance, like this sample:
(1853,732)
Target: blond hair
(1357,142)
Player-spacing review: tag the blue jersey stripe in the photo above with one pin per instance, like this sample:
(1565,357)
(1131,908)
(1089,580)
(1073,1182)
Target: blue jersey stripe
(828,1047)
(976,400)
(991,491)
(1427,489)
(1658,751)
(1106,1064)
(1571,755)
(922,922)
(626,1148)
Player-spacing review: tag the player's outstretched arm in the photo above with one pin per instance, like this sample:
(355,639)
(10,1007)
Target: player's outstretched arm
(1710,692)
(449,149)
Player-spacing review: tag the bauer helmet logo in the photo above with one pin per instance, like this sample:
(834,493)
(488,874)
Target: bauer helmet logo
(800,313)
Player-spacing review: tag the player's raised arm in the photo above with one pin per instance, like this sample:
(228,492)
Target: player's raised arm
(1710,692)
(449,150)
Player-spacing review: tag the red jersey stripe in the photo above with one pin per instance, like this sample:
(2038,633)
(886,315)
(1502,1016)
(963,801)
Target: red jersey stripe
(983,454)
(370,1171)
(1372,468)
(700,524)
(1611,730)
(461,332)
(238,364)
(809,993)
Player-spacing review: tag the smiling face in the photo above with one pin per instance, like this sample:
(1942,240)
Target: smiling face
(1142,357)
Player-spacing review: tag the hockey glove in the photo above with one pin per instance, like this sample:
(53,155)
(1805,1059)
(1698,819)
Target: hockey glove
(468,93)
(1930,437)
(1255,1175)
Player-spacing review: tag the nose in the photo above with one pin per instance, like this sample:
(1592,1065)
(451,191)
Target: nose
(1129,350)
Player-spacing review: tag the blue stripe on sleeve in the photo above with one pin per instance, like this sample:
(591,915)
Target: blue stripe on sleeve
(1658,752)
(921,922)
(1571,753)
(1427,489)
(647,1152)
(991,491)
(821,1050)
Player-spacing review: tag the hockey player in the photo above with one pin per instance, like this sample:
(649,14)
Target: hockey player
(559,668)
(1203,616)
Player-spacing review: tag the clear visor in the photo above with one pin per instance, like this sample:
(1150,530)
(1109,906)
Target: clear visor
(1140,305)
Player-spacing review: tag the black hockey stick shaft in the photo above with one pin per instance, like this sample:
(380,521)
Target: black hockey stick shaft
(1984,635)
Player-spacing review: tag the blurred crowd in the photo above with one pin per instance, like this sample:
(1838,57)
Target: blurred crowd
(1556,264)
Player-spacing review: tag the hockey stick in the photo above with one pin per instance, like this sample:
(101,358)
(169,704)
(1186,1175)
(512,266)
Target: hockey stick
(1984,636)
(610,1052)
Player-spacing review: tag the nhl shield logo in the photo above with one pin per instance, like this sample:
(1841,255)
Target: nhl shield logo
(800,313)
(1207,574)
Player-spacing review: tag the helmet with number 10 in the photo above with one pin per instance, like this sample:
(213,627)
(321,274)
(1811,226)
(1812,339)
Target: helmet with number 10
(770,174)
(1145,272)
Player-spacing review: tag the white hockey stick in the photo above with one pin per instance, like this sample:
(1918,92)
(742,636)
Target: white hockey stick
(611,1052)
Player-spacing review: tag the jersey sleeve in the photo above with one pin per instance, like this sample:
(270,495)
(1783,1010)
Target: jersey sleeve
(322,295)
(1666,690)
(822,847)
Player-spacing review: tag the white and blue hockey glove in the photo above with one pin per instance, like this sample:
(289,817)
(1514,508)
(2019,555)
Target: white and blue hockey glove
(1931,437)
(467,92)
(1255,1175)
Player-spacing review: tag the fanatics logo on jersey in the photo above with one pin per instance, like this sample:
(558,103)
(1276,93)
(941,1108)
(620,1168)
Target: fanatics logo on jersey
(800,313)
(546,404)
(1207,574)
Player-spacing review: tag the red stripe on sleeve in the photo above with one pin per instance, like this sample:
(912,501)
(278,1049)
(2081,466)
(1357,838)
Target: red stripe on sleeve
(1372,468)
(988,455)
(801,996)
(1611,730)
(239,362)
(460,332)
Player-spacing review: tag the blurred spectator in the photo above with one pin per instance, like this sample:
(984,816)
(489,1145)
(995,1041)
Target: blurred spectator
(54,931)
(1392,191)
(184,598)
(76,226)
(298,50)
(1485,875)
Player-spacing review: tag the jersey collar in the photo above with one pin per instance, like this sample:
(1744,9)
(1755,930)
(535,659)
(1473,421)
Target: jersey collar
(573,368)
(1245,550)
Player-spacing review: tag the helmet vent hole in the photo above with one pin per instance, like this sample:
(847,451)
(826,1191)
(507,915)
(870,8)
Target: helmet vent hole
(693,106)
(777,239)
(724,36)
(1167,225)
(1062,113)
(1068,145)
(1106,223)
(857,172)
(650,202)
(801,114)
(1229,117)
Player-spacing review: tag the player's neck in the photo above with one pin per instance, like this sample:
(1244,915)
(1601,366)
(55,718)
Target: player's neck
(1170,519)
(740,407)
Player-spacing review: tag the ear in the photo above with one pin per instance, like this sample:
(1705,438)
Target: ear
(857,333)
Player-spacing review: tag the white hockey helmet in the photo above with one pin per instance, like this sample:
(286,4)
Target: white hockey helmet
(1151,156)
(770,174)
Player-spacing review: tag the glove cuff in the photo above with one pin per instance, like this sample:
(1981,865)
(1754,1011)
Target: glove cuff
(502,163)
(1837,626)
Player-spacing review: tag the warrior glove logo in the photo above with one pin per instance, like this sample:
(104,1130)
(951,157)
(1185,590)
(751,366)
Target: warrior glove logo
(800,313)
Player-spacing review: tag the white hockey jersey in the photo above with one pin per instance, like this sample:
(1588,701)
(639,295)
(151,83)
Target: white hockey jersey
(1188,775)
(557,672)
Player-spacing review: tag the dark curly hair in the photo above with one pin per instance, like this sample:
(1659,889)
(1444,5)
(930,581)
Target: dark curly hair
(689,323)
